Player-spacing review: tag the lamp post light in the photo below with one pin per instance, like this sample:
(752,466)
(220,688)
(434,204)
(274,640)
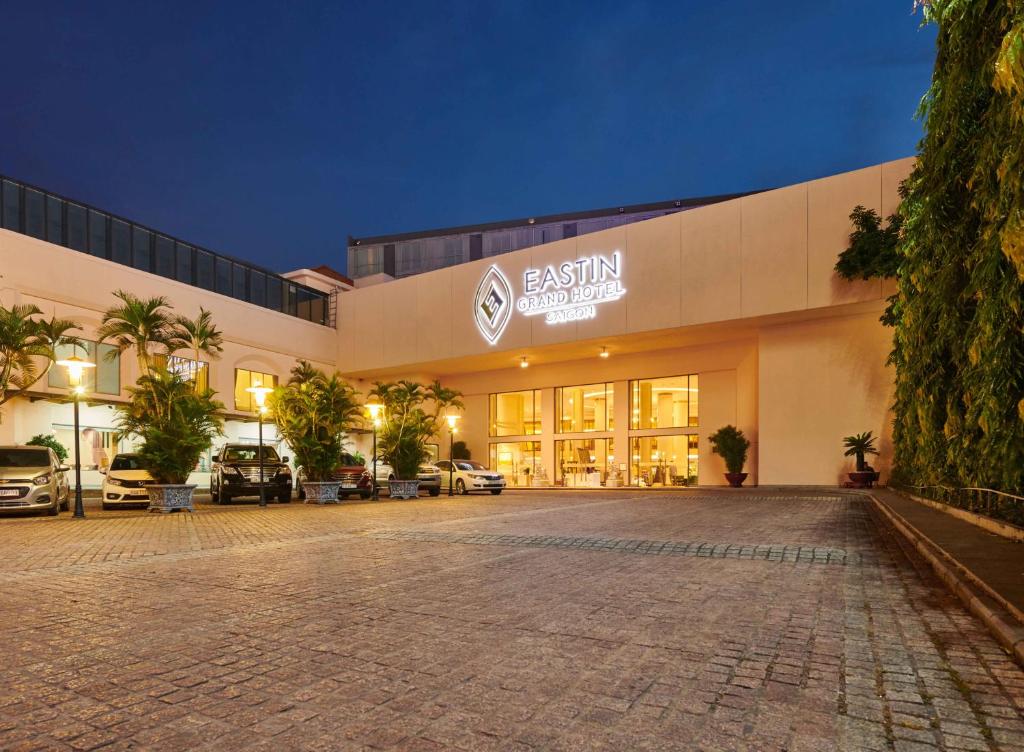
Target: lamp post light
(76,371)
(259,393)
(452,430)
(374,408)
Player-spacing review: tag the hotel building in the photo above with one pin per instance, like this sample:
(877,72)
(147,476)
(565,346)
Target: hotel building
(599,348)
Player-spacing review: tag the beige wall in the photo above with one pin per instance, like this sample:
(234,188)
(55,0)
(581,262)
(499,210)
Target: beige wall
(820,381)
(75,285)
(766,254)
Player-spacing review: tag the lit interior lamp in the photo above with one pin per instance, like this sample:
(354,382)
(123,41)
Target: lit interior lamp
(524,363)
(259,394)
(76,371)
(604,353)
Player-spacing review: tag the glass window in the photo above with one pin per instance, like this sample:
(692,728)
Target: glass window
(274,293)
(35,214)
(164,256)
(239,288)
(184,263)
(204,270)
(76,227)
(664,460)
(97,234)
(669,402)
(257,287)
(11,214)
(55,220)
(290,301)
(142,252)
(584,408)
(120,242)
(249,454)
(583,462)
(515,413)
(190,369)
(223,276)
(105,378)
(518,461)
(244,379)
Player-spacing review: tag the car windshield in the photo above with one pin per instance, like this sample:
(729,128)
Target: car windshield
(250,454)
(126,462)
(469,465)
(348,460)
(24,458)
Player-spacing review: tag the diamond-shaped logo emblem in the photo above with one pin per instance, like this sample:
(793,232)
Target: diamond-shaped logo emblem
(492,305)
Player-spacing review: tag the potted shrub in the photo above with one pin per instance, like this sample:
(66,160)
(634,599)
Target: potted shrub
(176,424)
(314,414)
(407,426)
(731,445)
(859,446)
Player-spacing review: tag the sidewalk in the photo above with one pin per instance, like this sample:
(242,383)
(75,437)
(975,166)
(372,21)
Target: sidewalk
(986,570)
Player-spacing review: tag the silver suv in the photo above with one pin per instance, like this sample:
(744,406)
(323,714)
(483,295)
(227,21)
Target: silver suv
(32,479)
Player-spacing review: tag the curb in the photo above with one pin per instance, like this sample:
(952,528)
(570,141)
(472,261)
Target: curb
(999,616)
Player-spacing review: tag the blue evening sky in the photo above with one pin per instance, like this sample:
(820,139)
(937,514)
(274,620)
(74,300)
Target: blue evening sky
(272,130)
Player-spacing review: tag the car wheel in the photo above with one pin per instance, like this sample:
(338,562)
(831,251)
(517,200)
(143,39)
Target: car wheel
(460,487)
(285,497)
(55,509)
(104,506)
(214,494)
(364,495)
(65,506)
(435,491)
(495,491)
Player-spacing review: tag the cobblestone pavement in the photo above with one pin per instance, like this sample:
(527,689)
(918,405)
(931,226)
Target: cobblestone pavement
(556,621)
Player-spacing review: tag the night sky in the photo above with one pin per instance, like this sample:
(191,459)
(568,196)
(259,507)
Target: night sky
(272,130)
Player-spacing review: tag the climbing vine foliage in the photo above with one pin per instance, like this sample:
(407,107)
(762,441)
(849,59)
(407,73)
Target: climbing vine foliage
(959,312)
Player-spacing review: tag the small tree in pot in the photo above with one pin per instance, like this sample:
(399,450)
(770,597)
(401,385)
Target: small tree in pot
(731,445)
(407,426)
(314,413)
(176,424)
(859,446)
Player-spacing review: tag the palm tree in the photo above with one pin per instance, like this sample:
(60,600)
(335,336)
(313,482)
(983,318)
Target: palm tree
(23,338)
(200,336)
(141,324)
(859,445)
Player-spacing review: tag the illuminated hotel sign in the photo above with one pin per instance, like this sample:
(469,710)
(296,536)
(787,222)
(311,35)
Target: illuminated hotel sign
(570,291)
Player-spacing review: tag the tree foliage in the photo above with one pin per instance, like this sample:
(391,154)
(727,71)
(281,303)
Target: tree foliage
(959,313)
(873,248)
(46,440)
(731,445)
(315,413)
(145,324)
(175,422)
(25,338)
(412,415)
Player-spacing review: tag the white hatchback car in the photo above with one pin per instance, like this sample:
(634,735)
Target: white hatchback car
(124,482)
(468,475)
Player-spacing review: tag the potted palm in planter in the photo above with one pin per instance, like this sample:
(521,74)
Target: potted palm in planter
(314,414)
(859,446)
(406,427)
(176,424)
(731,445)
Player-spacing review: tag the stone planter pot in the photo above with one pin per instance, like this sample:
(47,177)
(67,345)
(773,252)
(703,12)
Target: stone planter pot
(170,497)
(321,492)
(864,478)
(404,489)
(736,479)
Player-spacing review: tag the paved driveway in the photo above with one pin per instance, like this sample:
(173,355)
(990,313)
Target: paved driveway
(731,621)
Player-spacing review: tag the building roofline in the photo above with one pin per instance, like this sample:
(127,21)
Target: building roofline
(544,219)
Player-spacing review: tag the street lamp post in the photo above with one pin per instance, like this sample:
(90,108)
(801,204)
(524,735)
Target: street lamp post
(76,370)
(452,430)
(374,408)
(259,393)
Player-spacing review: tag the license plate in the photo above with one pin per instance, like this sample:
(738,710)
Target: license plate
(348,485)
(9,492)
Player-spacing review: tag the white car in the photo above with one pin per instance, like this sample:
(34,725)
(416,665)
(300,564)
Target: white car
(468,475)
(124,482)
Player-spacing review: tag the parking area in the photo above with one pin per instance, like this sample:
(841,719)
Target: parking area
(755,620)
